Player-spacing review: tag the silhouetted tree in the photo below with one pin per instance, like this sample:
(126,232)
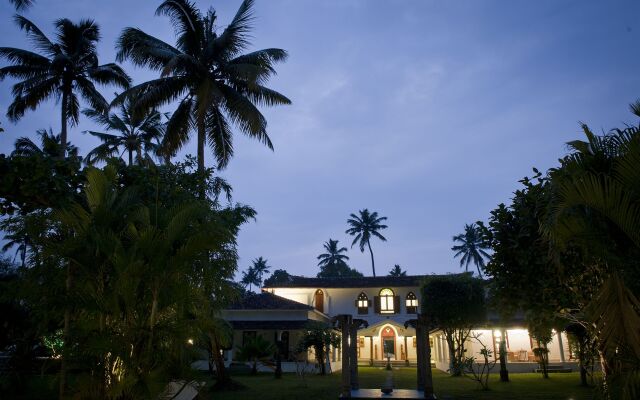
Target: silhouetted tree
(216,86)
(397,271)
(66,69)
(364,226)
(472,248)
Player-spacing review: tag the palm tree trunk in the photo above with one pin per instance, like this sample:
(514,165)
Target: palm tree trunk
(154,312)
(504,373)
(201,143)
(63,121)
(373,264)
(222,375)
(130,157)
(66,334)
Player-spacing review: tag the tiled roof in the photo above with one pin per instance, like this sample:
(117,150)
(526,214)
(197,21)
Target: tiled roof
(360,282)
(279,325)
(267,301)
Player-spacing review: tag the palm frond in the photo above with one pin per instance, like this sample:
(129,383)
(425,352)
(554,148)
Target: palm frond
(36,94)
(143,49)
(219,137)
(187,22)
(36,36)
(24,57)
(178,127)
(110,74)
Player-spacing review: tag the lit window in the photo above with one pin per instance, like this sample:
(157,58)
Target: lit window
(412,303)
(387,301)
(362,303)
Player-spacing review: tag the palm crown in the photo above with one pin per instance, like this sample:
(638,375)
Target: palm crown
(333,254)
(137,132)
(397,271)
(49,146)
(363,227)
(472,248)
(65,69)
(260,267)
(250,278)
(215,85)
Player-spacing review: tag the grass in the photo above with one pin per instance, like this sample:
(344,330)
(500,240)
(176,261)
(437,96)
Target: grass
(522,386)
(314,387)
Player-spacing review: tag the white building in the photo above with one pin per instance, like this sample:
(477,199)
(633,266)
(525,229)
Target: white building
(385,303)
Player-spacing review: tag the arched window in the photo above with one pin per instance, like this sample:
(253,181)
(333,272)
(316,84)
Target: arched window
(411,303)
(387,303)
(319,300)
(362,303)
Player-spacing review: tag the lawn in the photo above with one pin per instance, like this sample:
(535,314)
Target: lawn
(522,386)
(314,387)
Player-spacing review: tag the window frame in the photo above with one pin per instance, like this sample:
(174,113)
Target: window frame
(411,303)
(362,303)
(387,301)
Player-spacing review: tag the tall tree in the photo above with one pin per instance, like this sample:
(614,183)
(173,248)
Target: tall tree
(250,278)
(216,86)
(397,271)
(65,69)
(456,305)
(137,133)
(49,146)
(278,276)
(595,207)
(260,267)
(333,254)
(338,270)
(363,227)
(472,248)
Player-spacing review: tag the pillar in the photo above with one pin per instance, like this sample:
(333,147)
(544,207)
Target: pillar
(345,324)
(420,353)
(561,346)
(353,353)
(371,350)
(406,350)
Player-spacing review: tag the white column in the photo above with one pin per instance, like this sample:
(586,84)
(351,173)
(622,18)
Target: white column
(561,346)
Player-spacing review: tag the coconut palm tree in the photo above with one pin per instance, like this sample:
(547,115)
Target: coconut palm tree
(65,69)
(397,271)
(49,146)
(136,133)
(333,254)
(216,86)
(250,278)
(363,227)
(260,267)
(472,248)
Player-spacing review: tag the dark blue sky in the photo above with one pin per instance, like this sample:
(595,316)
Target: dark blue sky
(427,112)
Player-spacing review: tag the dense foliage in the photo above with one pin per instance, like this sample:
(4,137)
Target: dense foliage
(455,304)
(121,271)
(321,338)
(565,252)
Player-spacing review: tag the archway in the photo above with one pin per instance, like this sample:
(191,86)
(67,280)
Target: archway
(388,342)
(319,300)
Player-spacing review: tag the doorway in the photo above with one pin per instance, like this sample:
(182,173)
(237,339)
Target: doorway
(388,342)
(319,300)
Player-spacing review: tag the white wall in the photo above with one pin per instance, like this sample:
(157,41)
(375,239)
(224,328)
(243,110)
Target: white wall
(342,301)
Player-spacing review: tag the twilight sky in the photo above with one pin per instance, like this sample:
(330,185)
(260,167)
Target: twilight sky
(427,112)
